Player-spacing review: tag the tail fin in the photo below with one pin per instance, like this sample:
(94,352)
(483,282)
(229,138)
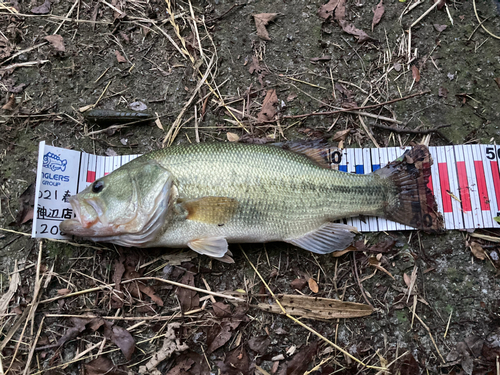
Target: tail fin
(413,203)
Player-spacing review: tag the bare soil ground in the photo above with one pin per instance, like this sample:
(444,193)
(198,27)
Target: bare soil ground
(209,73)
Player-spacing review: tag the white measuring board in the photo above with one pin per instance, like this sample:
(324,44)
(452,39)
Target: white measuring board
(465,180)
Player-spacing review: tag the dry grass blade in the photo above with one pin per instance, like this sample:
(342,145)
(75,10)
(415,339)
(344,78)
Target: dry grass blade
(15,281)
(317,308)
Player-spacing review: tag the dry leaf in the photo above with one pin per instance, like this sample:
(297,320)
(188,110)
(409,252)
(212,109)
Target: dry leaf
(26,205)
(440,28)
(42,9)
(415,73)
(259,344)
(291,97)
(313,285)
(232,137)
(158,123)
(477,250)
(104,366)
(340,11)
(188,299)
(63,292)
(317,308)
(377,14)
(341,135)
(443,92)
(261,20)
(349,28)
(11,103)
(121,337)
(300,362)
(119,57)
(441,3)
(298,284)
(255,65)
(5,48)
(327,9)
(236,362)
(407,279)
(268,110)
(56,41)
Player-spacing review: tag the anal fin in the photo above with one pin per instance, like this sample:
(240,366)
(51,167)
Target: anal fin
(215,247)
(326,239)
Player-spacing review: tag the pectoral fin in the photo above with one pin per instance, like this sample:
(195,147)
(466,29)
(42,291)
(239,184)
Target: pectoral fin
(326,239)
(211,210)
(215,247)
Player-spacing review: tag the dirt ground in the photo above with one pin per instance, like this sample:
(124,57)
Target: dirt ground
(443,320)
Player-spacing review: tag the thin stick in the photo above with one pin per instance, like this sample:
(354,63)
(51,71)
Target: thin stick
(481,23)
(410,131)
(23,51)
(425,13)
(67,16)
(96,289)
(357,108)
(430,335)
(33,347)
(367,131)
(448,324)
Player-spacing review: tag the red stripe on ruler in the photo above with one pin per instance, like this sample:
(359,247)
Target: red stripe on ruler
(463,186)
(445,187)
(427,166)
(481,185)
(90,176)
(496,181)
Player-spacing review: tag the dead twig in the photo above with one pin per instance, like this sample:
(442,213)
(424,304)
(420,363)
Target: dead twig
(410,131)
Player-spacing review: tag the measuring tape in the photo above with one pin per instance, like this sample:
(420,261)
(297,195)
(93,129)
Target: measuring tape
(465,180)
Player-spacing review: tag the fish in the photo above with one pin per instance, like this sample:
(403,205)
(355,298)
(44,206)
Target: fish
(205,196)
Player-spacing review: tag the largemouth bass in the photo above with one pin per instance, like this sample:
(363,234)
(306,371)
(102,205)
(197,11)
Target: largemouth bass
(207,195)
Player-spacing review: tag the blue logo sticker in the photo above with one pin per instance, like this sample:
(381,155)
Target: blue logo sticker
(54,162)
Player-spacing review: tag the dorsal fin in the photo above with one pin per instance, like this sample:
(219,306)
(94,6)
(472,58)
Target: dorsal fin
(322,153)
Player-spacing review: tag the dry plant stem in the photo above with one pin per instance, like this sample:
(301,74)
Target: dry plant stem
(355,269)
(367,131)
(33,347)
(358,108)
(304,325)
(481,23)
(67,16)
(410,131)
(175,126)
(425,14)
(222,295)
(430,335)
(23,51)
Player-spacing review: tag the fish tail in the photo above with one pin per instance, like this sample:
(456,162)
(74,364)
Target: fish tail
(412,201)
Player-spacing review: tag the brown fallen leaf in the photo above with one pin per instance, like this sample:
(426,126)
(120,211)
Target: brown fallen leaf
(377,14)
(259,344)
(299,363)
(42,9)
(56,41)
(340,11)
(254,65)
(298,284)
(5,48)
(440,28)
(11,103)
(26,204)
(317,308)
(477,250)
(326,10)
(189,299)
(236,362)
(441,3)
(121,337)
(232,137)
(72,332)
(442,92)
(219,334)
(268,110)
(349,28)
(261,20)
(104,366)
(415,73)
(313,285)
(119,57)
(341,135)
(198,363)
(221,309)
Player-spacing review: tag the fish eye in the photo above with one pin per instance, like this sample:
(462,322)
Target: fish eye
(97,187)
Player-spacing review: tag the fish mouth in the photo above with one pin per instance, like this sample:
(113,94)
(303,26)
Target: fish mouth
(89,220)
